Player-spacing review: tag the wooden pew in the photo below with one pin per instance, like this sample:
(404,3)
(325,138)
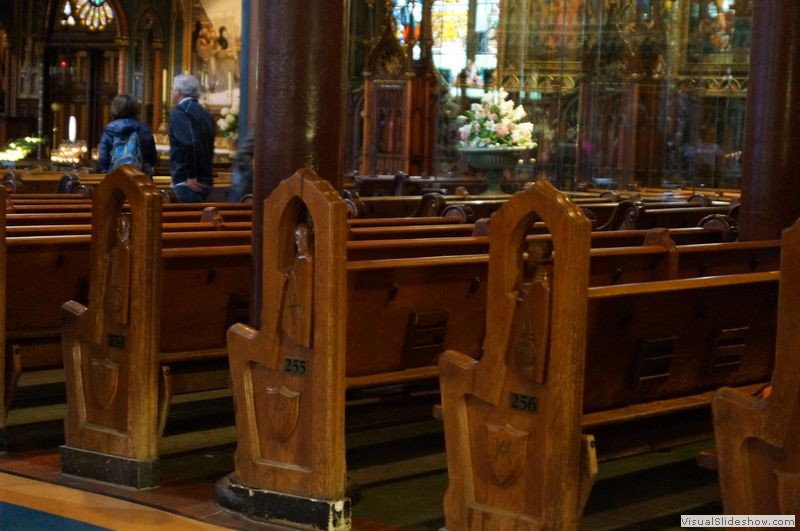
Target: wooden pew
(657,350)
(32,335)
(602,277)
(410,247)
(637,215)
(290,375)
(603,209)
(155,316)
(47,182)
(76,229)
(86,217)
(646,351)
(758,438)
(86,206)
(401,307)
(61,254)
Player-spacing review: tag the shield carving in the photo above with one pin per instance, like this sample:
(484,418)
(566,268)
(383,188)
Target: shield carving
(283,410)
(788,492)
(105,381)
(505,447)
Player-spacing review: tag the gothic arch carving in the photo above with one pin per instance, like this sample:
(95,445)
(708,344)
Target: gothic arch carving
(147,19)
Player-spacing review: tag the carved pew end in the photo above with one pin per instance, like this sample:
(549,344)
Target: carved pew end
(277,507)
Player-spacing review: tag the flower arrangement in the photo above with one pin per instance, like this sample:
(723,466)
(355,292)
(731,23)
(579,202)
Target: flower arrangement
(19,148)
(229,122)
(495,123)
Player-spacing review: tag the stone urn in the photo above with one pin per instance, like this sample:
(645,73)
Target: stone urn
(492,161)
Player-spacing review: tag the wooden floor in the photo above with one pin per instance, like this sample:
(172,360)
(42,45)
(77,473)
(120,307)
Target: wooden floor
(82,506)
(398,470)
(189,468)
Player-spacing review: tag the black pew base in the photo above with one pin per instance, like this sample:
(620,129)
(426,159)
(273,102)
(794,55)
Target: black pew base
(139,474)
(277,507)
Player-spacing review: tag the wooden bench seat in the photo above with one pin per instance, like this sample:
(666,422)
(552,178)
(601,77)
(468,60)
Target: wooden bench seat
(86,217)
(432,246)
(603,208)
(655,340)
(641,216)
(65,229)
(48,182)
(722,259)
(85,205)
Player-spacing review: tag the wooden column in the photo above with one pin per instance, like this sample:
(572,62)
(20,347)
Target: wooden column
(188,22)
(158,83)
(770,197)
(122,64)
(300,87)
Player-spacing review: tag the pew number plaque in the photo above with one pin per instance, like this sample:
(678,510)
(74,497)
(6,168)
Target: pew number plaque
(116,341)
(295,366)
(521,402)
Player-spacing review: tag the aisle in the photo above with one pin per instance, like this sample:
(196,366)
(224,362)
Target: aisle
(396,467)
(30,504)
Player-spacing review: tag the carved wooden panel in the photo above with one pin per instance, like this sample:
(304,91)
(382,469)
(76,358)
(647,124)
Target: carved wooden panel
(515,454)
(288,377)
(110,347)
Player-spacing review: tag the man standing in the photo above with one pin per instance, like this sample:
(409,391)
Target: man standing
(191,142)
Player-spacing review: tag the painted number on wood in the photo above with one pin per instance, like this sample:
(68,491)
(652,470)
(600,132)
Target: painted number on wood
(522,402)
(294,365)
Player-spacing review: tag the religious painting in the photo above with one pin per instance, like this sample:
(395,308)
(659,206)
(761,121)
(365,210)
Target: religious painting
(216,43)
(718,34)
(555,29)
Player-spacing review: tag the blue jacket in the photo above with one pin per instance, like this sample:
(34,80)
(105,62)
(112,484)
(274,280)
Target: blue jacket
(191,143)
(123,127)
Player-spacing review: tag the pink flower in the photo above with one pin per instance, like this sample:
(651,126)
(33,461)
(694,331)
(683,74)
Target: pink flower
(501,130)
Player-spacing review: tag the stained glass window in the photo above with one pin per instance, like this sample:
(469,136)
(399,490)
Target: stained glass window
(465,46)
(408,19)
(95,15)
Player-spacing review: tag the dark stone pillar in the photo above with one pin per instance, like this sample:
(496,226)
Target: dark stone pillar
(770,191)
(300,87)
(247,64)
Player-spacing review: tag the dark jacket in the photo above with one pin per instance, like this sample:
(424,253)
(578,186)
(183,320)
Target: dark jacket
(242,169)
(191,143)
(123,127)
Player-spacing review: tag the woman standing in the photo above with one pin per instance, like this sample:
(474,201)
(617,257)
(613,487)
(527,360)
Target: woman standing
(125,139)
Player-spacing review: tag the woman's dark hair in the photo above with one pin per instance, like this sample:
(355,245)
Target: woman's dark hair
(124,106)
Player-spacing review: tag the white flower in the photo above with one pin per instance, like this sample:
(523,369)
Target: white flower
(230,118)
(222,124)
(495,122)
(224,111)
